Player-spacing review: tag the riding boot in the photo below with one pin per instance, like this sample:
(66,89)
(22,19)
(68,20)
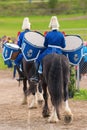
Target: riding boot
(35,77)
(21,74)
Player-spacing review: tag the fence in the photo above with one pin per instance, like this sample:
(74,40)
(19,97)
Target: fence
(81,72)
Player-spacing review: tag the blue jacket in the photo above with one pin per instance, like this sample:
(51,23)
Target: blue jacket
(19,58)
(54,41)
(55,38)
(21,36)
(85,52)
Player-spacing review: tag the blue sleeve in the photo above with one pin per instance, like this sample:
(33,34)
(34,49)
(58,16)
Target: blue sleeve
(63,42)
(20,39)
(46,42)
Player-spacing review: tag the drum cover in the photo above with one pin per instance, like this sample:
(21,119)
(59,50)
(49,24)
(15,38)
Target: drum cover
(73,49)
(8,50)
(33,44)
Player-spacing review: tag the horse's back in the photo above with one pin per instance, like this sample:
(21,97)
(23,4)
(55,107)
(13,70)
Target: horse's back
(55,63)
(59,58)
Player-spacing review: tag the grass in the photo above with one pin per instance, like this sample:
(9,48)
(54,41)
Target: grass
(81,95)
(69,23)
(2,65)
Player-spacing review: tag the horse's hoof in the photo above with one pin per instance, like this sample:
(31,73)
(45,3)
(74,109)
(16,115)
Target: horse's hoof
(68,118)
(40,102)
(33,106)
(53,120)
(46,113)
(24,103)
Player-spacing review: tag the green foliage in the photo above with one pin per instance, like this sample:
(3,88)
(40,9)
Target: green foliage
(72,85)
(81,94)
(24,8)
(52,3)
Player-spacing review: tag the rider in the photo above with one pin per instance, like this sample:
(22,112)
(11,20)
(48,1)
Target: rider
(18,61)
(54,41)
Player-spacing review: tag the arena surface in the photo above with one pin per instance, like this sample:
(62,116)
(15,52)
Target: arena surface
(14,116)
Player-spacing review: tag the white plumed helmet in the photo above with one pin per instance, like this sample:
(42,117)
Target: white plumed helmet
(54,24)
(26,24)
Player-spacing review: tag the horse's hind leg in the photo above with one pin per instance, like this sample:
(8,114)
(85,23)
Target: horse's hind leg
(54,117)
(34,102)
(68,114)
(45,112)
(24,90)
(40,93)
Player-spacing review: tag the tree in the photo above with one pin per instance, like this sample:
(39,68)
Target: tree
(52,4)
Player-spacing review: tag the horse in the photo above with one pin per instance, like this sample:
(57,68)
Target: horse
(28,70)
(55,80)
(10,53)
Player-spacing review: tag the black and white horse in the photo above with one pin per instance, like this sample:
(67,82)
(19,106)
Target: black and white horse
(55,79)
(28,71)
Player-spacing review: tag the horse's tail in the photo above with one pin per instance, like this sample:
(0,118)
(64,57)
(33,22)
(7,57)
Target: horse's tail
(55,84)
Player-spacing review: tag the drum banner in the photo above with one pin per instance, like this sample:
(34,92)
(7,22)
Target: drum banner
(8,51)
(30,52)
(74,57)
(32,45)
(73,49)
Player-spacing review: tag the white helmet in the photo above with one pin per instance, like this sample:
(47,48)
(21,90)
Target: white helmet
(54,24)
(26,24)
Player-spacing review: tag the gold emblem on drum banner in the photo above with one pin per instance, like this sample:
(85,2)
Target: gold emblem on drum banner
(76,57)
(29,53)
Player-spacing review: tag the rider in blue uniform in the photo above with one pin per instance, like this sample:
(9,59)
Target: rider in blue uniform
(26,28)
(54,41)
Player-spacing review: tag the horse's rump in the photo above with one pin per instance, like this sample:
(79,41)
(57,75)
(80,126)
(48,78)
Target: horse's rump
(56,74)
(58,62)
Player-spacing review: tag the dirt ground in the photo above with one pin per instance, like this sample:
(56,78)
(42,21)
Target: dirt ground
(14,116)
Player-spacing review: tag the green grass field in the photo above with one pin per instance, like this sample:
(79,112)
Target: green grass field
(71,24)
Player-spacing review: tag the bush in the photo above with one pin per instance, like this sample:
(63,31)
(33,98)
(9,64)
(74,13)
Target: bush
(72,85)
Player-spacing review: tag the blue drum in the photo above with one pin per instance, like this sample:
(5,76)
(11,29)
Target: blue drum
(33,44)
(10,51)
(73,49)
